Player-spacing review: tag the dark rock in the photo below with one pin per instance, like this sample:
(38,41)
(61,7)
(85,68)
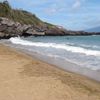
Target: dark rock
(54,31)
(9,28)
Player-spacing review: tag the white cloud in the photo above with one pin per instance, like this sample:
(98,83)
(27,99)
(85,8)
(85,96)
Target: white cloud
(51,11)
(77,4)
(55,8)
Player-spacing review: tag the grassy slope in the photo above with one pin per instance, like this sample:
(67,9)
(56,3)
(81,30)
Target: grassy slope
(21,16)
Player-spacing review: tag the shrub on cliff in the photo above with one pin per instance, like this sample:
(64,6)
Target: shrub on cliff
(21,16)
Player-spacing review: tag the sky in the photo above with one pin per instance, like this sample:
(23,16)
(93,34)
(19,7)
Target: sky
(71,14)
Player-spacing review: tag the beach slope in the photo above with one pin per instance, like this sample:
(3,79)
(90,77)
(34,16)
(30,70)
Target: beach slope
(26,78)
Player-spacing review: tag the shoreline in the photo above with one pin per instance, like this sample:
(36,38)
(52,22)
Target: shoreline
(65,65)
(26,77)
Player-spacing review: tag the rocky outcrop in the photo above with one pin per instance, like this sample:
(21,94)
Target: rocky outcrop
(62,32)
(9,28)
(55,32)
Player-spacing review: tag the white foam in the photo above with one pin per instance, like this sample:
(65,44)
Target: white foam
(18,40)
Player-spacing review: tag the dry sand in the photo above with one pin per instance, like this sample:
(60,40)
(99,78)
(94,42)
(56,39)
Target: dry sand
(25,78)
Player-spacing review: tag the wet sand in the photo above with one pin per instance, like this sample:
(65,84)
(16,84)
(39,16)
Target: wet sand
(25,78)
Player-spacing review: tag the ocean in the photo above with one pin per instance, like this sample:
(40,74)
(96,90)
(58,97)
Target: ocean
(83,51)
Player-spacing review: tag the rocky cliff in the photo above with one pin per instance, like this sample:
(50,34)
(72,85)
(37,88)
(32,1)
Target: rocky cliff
(9,28)
(14,22)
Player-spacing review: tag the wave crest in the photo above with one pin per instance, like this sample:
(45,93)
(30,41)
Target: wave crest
(74,49)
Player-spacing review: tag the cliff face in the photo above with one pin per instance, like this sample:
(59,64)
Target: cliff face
(9,28)
(15,22)
(19,22)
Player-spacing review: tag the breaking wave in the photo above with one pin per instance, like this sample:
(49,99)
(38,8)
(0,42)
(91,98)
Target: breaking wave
(74,49)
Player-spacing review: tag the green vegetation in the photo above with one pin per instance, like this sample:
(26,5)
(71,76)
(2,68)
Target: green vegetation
(49,25)
(21,16)
(5,9)
(25,17)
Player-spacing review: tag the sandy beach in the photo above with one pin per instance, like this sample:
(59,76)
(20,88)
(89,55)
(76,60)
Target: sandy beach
(25,78)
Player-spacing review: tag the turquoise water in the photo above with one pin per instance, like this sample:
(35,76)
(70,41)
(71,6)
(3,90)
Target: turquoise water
(90,42)
(81,50)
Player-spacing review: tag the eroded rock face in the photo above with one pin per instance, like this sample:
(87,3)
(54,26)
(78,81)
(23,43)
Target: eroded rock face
(9,28)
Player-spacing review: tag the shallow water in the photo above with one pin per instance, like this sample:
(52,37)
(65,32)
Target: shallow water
(83,51)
